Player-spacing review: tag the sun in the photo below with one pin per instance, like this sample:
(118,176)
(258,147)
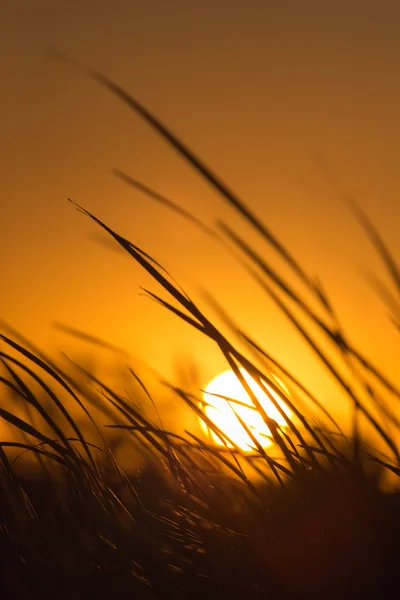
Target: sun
(220,412)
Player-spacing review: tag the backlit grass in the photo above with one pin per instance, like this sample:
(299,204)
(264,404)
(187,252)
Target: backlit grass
(190,516)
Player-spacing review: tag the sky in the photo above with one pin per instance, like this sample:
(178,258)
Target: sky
(263,92)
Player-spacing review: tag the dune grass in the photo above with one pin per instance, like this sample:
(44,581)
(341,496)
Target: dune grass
(305,517)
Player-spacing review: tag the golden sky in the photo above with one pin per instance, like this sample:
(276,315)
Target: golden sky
(257,89)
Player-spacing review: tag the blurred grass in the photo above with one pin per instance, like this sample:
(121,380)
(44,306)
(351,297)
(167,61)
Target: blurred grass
(186,518)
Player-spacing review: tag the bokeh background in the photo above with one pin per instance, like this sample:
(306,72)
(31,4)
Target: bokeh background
(265,92)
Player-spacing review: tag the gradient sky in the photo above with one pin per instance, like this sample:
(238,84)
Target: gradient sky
(257,89)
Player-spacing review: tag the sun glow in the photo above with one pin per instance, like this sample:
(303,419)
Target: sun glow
(222,412)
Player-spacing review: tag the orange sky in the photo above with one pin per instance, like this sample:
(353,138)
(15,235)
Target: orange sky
(256,89)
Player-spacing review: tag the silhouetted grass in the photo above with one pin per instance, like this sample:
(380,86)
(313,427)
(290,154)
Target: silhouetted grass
(303,518)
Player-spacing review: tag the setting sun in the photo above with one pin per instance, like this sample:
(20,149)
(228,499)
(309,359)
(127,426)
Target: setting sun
(222,412)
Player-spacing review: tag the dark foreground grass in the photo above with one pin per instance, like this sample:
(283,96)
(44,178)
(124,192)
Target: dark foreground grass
(188,524)
(303,518)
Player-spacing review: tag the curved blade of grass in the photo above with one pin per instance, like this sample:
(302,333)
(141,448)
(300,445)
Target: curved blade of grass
(32,431)
(376,241)
(293,379)
(270,423)
(149,264)
(238,471)
(208,328)
(35,450)
(334,336)
(50,371)
(87,337)
(332,370)
(260,351)
(260,378)
(124,408)
(165,202)
(174,310)
(225,439)
(56,401)
(277,279)
(203,330)
(260,448)
(29,397)
(193,160)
